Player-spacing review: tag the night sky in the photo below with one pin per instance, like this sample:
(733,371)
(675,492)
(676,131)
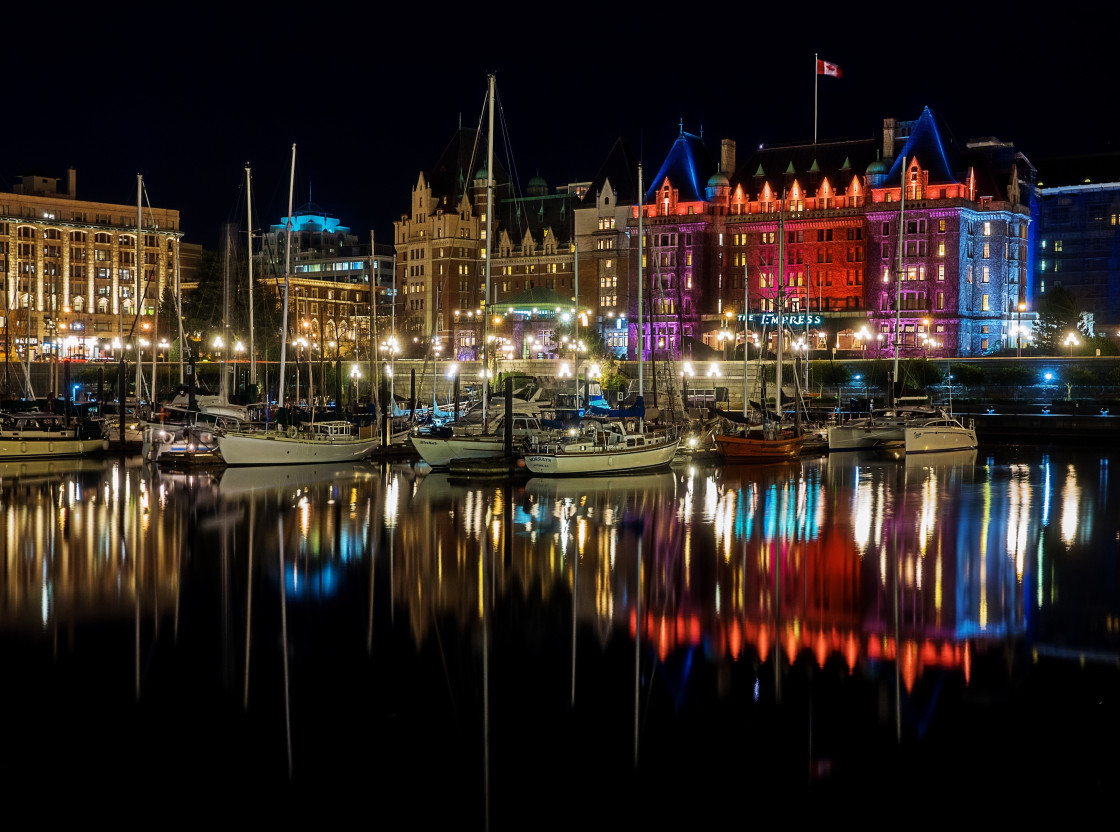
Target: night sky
(371,98)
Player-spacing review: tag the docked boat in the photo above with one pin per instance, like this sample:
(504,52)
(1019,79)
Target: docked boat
(37,434)
(945,433)
(758,445)
(329,441)
(885,426)
(603,448)
(442,447)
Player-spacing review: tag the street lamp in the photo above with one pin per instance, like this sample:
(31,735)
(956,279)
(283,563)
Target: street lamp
(1019,331)
(1071,339)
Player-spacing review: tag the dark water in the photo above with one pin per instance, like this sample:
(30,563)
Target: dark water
(831,637)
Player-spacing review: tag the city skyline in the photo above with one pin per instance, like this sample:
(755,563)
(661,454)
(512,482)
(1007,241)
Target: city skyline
(369,113)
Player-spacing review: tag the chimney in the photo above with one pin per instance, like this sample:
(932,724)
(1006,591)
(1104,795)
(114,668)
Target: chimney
(72,183)
(727,157)
(888,138)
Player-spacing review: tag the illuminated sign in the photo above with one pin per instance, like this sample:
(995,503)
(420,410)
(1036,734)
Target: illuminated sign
(769,318)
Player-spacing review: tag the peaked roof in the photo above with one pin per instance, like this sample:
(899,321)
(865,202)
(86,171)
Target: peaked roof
(688,167)
(926,145)
(621,168)
(536,214)
(454,172)
(838,161)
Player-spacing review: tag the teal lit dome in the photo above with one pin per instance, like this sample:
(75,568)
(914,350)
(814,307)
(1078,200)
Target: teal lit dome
(537,186)
(481,176)
(878,168)
(719,180)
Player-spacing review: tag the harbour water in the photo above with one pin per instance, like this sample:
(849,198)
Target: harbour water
(838,634)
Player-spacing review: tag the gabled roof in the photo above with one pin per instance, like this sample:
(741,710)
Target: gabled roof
(836,161)
(454,172)
(536,214)
(932,152)
(688,168)
(621,168)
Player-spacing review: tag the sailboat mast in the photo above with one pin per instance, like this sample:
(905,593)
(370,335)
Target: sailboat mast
(224,347)
(179,311)
(575,263)
(486,254)
(373,298)
(781,298)
(136,282)
(641,256)
(287,272)
(252,328)
(746,330)
(898,294)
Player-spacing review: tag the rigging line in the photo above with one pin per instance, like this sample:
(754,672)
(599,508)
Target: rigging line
(468,180)
(511,165)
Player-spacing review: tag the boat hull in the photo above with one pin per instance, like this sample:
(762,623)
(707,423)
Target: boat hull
(37,448)
(863,437)
(603,461)
(931,439)
(278,449)
(758,448)
(440,451)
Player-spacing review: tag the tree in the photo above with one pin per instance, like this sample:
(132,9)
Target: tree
(967,375)
(835,374)
(1058,315)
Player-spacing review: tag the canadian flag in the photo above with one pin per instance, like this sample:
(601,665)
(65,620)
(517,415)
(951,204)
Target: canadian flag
(825,68)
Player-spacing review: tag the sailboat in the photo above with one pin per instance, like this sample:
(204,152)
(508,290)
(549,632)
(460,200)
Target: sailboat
(609,446)
(317,442)
(889,427)
(774,440)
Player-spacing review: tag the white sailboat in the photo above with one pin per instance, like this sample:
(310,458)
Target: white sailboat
(609,447)
(316,442)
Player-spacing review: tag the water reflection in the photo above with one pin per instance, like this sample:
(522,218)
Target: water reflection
(704,581)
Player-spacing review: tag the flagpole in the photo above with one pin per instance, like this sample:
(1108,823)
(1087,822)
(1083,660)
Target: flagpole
(816,80)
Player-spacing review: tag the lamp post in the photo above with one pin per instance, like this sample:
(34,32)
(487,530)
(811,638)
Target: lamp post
(1019,331)
(1071,339)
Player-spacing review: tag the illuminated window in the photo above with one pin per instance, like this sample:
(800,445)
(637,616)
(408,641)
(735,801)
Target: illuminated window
(984,303)
(987,251)
(940,300)
(987,229)
(941,249)
(986,275)
(1057,245)
(941,271)
(941,223)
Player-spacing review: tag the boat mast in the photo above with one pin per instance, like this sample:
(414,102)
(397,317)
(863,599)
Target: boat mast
(746,331)
(486,254)
(136,285)
(641,255)
(373,297)
(287,272)
(895,386)
(781,299)
(179,311)
(252,328)
(575,263)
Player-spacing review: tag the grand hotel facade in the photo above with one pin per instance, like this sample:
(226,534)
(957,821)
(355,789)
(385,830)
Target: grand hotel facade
(711,250)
